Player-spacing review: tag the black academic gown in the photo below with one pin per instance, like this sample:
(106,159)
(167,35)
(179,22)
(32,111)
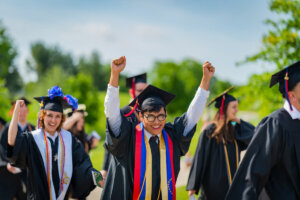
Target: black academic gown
(26,154)
(11,185)
(119,182)
(272,160)
(208,170)
(107,155)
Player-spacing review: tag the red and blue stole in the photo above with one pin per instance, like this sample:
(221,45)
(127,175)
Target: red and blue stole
(143,167)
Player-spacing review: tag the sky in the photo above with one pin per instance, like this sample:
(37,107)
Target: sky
(220,31)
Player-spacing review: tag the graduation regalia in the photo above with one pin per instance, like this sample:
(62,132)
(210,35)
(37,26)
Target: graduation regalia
(272,159)
(209,168)
(215,164)
(27,153)
(120,180)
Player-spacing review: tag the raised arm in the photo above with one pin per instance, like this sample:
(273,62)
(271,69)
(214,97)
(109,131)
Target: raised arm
(197,105)
(13,126)
(112,101)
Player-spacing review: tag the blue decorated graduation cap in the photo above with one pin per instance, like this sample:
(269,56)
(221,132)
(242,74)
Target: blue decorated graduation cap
(222,99)
(56,100)
(151,96)
(287,79)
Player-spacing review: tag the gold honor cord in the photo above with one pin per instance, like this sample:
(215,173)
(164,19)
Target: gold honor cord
(227,159)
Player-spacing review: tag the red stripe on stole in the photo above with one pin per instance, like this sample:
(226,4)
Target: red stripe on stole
(137,162)
(172,165)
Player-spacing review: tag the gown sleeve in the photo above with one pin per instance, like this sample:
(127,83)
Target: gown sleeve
(17,154)
(177,129)
(262,154)
(118,145)
(106,161)
(82,179)
(200,161)
(244,134)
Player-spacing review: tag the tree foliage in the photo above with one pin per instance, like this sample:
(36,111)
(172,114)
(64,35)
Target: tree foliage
(182,79)
(43,58)
(280,47)
(8,71)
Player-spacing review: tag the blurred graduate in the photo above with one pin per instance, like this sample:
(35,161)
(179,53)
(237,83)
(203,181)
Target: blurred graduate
(218,151)
(136,85)
(13,180)
(272,159)
(148,153)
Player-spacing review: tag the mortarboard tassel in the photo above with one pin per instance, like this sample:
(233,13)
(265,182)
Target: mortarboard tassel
(286,89)
(133,109)
(222,107)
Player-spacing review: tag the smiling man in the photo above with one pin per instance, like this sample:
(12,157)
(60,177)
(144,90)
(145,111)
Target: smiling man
(148,154)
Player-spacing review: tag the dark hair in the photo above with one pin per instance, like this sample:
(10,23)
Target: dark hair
(223,131)
(152,108)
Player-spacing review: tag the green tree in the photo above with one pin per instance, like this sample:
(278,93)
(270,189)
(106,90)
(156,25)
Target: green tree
(43,58)
(280,47)
(4,100)
(182,79)
(8,71)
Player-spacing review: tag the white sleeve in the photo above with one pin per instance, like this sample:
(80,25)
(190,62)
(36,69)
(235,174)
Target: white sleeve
(196,109)
(112,109)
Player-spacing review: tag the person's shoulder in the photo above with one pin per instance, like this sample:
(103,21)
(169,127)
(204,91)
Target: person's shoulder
(126,109)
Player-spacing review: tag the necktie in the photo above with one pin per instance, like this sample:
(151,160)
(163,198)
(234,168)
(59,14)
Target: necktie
(154,145)
(55,174)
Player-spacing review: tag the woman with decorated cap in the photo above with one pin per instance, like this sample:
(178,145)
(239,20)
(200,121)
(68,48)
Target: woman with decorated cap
(53,157)
(218,152)
(272,160)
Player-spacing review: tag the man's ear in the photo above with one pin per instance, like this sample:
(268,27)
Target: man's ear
(141,116)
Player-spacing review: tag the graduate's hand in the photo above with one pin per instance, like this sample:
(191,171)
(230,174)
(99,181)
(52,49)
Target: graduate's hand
(192,192)
(118,65)
(11,169)
(208,72)
(104,173)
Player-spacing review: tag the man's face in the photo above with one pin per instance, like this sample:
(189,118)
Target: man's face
(154,122)
(23,113)
(139,87)
(295,96)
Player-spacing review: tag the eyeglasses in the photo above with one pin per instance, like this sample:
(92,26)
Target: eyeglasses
(151,118)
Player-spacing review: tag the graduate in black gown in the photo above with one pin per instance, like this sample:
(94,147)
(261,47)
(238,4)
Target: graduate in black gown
(53,157)
(218,151)
(147,155)
(13,181)
(272,159)
(136,85)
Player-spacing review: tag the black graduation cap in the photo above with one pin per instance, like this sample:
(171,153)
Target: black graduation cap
(152,96)
(290,73)
(56,104)
(219,98)
(26,101)
(141,78)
